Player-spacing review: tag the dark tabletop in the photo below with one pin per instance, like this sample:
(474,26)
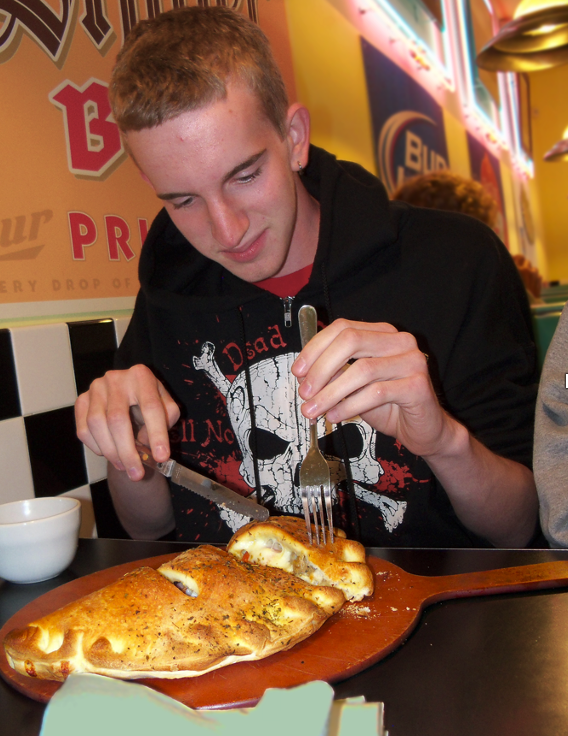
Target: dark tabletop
(494,665)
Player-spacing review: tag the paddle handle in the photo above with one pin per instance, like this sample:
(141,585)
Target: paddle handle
(504,580)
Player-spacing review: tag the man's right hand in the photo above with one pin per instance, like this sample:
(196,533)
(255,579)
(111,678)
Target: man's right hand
(104,424)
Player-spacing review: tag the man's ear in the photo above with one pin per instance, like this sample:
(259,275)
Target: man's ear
(298,135)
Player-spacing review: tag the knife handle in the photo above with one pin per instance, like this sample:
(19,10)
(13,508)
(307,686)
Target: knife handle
(145,454)
(308,319)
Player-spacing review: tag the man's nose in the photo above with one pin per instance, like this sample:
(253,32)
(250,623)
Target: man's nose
(229,224)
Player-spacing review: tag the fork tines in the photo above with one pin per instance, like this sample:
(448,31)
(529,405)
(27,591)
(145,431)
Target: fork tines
(316,501)
(314,513)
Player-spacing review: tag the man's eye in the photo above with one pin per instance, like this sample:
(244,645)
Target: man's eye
(250,177)
(185,203)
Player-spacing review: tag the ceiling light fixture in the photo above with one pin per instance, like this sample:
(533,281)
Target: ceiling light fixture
(536,38)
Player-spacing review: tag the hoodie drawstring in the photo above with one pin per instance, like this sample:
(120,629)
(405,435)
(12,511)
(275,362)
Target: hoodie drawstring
(352,499)
(253,442)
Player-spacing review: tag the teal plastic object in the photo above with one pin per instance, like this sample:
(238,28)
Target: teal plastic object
(94,705)
(547,307)
(551,294)
(544,328)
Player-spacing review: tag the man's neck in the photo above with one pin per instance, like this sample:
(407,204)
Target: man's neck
(306,233)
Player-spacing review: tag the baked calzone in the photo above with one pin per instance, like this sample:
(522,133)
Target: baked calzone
(203,610)
(283,542)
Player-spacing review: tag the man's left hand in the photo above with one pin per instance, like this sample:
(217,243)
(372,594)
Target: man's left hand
(374,371)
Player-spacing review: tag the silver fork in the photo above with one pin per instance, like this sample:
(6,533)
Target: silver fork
(315,487)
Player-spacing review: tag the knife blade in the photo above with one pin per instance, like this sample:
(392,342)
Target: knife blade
(203,486)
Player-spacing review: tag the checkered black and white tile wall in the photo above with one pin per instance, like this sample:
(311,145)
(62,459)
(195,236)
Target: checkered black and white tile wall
(42,370)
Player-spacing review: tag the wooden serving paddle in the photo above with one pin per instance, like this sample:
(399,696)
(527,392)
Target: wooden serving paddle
(358,636)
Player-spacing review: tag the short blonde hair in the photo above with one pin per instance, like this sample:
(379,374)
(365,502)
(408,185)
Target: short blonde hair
(183,59)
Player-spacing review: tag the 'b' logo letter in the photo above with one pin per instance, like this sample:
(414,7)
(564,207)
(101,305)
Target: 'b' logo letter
(93,141)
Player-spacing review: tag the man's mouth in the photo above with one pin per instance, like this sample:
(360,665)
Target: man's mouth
(249,252)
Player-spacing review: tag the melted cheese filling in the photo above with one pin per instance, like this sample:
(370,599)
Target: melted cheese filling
(266,552)
(271,556)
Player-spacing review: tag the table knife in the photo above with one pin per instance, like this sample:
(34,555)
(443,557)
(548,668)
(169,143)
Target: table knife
(203,486)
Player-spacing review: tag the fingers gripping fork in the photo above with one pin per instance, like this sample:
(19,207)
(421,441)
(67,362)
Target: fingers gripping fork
(315,487)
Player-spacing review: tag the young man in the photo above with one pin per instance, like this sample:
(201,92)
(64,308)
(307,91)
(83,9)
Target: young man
(255,224)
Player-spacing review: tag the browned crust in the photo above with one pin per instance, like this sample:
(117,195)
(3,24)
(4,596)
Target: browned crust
(246,587)
(143,625)
(342,562)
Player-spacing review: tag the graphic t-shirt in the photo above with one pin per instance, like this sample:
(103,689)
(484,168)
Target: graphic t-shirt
(289,285)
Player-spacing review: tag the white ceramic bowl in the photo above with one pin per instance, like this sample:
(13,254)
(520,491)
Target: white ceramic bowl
(38,538)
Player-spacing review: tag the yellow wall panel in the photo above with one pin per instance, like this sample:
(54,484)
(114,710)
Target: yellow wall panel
(456,140)
(330,80)
(549,192)
(510,209)
(540,252)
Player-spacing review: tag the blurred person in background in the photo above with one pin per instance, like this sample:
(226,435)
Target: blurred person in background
(443,190)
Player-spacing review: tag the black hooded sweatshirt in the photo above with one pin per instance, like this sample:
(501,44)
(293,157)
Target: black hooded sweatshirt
(224,347)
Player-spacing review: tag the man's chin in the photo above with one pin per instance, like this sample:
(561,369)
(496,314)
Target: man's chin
(254,273)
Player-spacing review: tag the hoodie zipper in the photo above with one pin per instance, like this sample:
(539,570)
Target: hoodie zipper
(287,301)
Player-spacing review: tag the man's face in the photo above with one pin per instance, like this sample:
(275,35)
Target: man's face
(225,176)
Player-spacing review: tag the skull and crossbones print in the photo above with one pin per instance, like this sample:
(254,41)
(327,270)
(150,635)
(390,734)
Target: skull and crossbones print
(282,438)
